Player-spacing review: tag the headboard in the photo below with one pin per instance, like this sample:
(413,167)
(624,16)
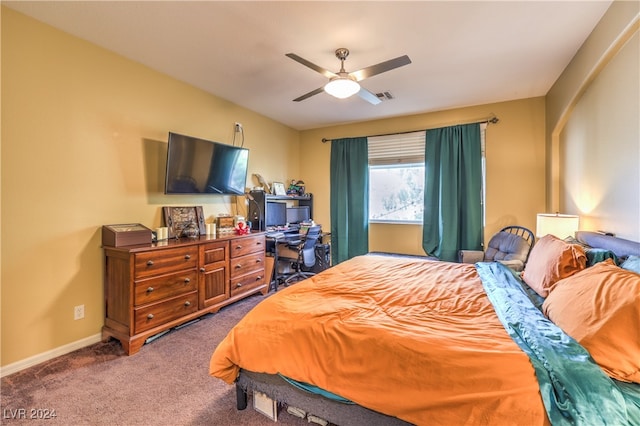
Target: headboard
(621,247)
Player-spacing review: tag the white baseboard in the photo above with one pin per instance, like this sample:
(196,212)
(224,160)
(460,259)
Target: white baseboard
(46,356)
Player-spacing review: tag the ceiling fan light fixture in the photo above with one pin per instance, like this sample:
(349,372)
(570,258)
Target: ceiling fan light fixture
(342,87)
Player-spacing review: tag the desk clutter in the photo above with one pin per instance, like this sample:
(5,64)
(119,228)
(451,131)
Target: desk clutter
(298,252)
(297,228)
(269,212)
(227,224)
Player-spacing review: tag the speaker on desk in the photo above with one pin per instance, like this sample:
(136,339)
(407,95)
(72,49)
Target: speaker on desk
(255,213)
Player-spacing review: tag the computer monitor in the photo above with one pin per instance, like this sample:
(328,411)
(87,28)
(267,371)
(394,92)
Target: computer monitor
(276,214)
(298,214)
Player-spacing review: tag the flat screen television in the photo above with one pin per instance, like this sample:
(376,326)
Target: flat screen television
(200,166)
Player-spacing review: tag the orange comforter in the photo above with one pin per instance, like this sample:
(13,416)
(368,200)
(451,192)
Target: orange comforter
(410,338)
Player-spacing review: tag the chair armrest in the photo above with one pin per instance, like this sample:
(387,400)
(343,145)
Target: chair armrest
(514,264)
(470,256)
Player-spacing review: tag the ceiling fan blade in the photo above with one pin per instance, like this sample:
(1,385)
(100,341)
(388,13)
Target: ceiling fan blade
(380,68)
(311,65)
(308,95)
(369,96)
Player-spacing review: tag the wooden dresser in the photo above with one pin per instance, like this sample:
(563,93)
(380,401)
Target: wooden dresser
(151,288)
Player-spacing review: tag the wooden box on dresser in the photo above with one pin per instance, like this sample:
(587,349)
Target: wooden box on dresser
(151,288)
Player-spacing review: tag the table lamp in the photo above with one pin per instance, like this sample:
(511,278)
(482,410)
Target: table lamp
(558,225)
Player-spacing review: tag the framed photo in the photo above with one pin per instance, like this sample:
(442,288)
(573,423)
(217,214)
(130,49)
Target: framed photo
(278,188)
(179,218)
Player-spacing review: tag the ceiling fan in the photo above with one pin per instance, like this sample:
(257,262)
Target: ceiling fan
(345,84)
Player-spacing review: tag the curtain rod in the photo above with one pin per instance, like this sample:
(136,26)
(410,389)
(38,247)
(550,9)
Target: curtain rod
(493,120)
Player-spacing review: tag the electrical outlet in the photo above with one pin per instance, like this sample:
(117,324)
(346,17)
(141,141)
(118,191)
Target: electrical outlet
(78,312)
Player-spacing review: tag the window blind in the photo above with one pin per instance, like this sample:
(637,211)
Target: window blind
(402,148)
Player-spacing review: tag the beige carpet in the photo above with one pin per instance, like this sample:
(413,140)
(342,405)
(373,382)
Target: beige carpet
(166,383)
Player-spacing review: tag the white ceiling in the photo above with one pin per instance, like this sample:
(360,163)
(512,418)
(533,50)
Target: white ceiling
(463,52)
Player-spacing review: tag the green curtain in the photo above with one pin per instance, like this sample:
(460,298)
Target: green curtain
(452,191)
(349,198)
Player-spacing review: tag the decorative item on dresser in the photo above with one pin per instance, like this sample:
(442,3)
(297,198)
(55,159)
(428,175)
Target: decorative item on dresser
(184,221)
(151,288)
(125,234)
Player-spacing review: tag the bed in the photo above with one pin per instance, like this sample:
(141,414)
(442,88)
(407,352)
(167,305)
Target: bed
(403,340)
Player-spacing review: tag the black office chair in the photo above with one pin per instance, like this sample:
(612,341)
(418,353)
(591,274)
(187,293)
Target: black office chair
(302,254)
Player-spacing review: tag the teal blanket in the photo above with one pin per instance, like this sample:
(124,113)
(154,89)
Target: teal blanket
(574,389)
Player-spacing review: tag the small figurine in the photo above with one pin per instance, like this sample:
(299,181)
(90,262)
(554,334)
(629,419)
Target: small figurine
(190,230)
(296,188)
(242,228)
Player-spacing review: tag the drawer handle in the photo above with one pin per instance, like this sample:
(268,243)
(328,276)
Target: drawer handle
(238,266)
(259,243)
(150,316)
(188,256)
(187,280)
(150,289)
(238,247)
(149,262)
(239,285)
(258,260)
(202,270)
(258,278)
(187,303)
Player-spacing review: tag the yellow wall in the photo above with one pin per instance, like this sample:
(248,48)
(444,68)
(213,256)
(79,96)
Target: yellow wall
(84,136)
(515,154)
(84,143)
(593,133)
(600,177)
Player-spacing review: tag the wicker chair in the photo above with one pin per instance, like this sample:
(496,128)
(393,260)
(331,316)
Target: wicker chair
(511,246)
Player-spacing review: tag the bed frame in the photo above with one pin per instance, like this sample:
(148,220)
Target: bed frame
(352,414)
(335,412)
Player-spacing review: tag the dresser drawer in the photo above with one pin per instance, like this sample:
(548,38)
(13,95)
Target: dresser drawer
(245,264)
(214,252)
(165,286)
(247,282)
(160,313)
(164,261)
(242,246)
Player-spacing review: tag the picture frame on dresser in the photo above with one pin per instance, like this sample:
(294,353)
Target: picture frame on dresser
(179,218)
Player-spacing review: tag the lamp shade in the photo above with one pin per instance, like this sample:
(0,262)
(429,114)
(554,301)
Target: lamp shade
(342,87)
(559,225)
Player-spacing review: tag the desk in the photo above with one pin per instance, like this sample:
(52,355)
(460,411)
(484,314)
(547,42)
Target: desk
(276,240)
(323,257)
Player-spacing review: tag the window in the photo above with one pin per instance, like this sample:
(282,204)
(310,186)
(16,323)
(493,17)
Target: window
(396,178)
(396,193)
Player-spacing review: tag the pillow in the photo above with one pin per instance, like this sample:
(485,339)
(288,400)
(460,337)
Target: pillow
(552,259)
(574,240)
(600,308)
(632,264)
(595,255)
